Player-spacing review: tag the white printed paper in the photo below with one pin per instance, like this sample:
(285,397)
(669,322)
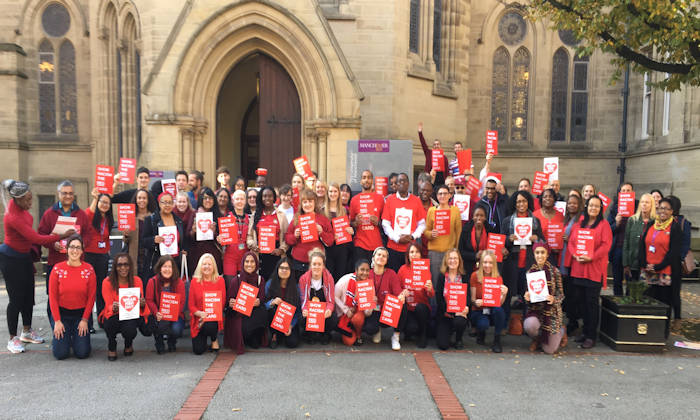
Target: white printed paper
(205,226)
(129,303)
(63,225)
(560,206)
(462,202)
(551,167)
(402,221)
(169,244)
(537,286)
(522,227)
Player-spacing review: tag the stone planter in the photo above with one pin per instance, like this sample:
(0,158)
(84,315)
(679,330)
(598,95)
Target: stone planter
(633,326)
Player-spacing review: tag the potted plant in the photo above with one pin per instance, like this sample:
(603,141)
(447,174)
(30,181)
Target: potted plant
(635,322)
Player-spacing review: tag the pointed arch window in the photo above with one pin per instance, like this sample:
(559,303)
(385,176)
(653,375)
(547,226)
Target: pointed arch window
(520,94)
(499,92)
(560,95)
(569,97)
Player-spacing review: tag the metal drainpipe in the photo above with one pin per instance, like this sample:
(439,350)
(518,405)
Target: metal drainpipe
(622,147)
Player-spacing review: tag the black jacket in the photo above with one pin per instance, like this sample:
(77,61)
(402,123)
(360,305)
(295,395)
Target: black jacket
(150,231)
(467,249)
(672,257)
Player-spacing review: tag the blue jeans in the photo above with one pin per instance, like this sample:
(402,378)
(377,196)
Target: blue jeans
(71,339)
(482,321)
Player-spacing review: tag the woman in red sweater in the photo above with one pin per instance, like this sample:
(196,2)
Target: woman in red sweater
(417,299)
(324,233)
(207,295)
(548,215)
(72,286)
(16,261)
(122,276)
(588,245)
(100,220)
(166,286)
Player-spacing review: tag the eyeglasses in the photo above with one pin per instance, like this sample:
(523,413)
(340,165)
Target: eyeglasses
(665,208)
(206,197)
(75,248)
(459,187)
(67,193)
(284,267)
(166,203)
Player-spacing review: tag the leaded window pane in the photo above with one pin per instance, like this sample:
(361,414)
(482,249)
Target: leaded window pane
(437,34)
(47,89)
(414,26)
(138,102)
(520,93)
(579,99)
(512,28)
(568,37)
(500,81)
(560,86)
(68,90)
(55,20)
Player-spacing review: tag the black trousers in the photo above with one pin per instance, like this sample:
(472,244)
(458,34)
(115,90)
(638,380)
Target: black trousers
(587,295)
(253,327)
(338,259)
(676,283)
(445,327)
(330,324)
(128,329)
(571,307)
(99,263)
(362,254)
(209,330)
(417,320)
(396,259)
(267,265)
(372,324)
(19,280)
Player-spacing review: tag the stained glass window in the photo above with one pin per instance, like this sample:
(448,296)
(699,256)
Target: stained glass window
(120,129)
(55,20)
(560,87)
(579,99)
(47,88)
(414,26)
(512,28)
(520,93)
(68,91)
(437,34)
(500,82)
(568,37)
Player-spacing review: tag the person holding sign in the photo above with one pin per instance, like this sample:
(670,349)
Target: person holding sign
(71,297)
(574,208)
(418,298)
(351,318)
(123,276)
(207,202)
(549,216)
(322,228)
(438,175)
(242,329)
(145,206)
(151,238)
(403,221)
(206,304)
(186,213)
(266,216)
(143,178)
(589,266)
(636,225)
(386,282)
(474,239)
(443,226)
(451,272)
(238,234)
(620,211)
(283,287)
(100,220)
(486,281)
(544,319)
(316,285)
(339,256)
(165,297)
(365,213)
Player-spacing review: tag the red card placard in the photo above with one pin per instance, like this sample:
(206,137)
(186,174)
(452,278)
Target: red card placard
(496,242)
(212,306)
(456,297)
(473,186)
(169,306)
(420,272)
(303,168)
(169,186)
(540,181)
(339,225)
(295,198)
(442,222)
(266,239)
(127,170)
(391,311)
(227,235)
(492,292)
(605,199)
(381,185)
(555,236)
(283,317)
(438,160)
(316,321)
(625,204)
(492,142)
(247,293)
(126,216)
(464,160)
(104,179)
(584,243)
(496,175)
(365,295)
(307,224)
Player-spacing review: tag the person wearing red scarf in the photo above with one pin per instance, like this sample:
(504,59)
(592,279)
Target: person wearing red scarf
(474,239)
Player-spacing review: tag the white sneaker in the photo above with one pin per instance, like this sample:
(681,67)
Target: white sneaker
(395,345)
(31,337)
(377,338)
(15,345)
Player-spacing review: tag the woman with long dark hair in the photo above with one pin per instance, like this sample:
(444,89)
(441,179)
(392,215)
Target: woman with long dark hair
(145,206)
(345,196)
(266,215)
(166,280)
(206,203)
(574,208)
(474,239)
(97,246)
(282,286)
(240,329)
(417,299)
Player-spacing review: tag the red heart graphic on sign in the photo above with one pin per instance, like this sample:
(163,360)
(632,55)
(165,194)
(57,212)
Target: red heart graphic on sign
(168,239)
(537,285)
(550,167)
(204,225)
(129,302)
(522,230)
(403,221)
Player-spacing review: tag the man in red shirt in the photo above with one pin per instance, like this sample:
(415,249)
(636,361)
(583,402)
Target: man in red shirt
(365,210)
(403,220)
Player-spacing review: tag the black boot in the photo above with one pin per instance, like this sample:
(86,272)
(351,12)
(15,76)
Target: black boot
(172,344)
(496,348)
(480,338)
(422,340)
(160,344)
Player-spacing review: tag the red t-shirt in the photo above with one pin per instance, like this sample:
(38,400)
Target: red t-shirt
(96,240)
(367,235)
(72,288)
(661,241)
(544,222)
(413,205)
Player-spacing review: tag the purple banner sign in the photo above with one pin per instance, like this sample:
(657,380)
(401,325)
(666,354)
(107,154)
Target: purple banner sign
(373,146)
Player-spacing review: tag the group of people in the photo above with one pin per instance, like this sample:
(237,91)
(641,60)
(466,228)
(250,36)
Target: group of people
(305,265)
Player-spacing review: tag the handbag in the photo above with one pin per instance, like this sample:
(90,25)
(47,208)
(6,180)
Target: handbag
(688,263)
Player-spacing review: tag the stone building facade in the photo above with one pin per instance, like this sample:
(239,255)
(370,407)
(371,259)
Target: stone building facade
(181,84)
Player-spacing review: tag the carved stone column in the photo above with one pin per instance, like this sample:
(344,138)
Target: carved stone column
(187,148)
(322,140)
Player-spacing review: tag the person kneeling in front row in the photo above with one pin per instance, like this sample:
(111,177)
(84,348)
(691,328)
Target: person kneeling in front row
(482,316)
(166,280)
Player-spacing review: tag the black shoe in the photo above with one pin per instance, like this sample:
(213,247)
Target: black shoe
(160,344)
(580,339)
(480,338)
(171,346)
(422,341)
(571,329)
(325,339)
(459,345)
(128,353)
(472,332)
(112,358)
(92,331)
(273,342)
(496,348)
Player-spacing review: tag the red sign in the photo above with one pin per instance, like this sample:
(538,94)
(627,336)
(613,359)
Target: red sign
(584,243)
(442,222)
(555,236)
(283,317)
(540,181)
(247,293)
(212,306)
(438,160)
(127,170)
(381,185)
(303,168)
(266,239)
(227,235)
(365,295)
(169,306)
(307,224)
(316,321)
(473,186)
(391,311)
(340,224)
(625,204)
(456,296)
(495,175)
(169,186)
(295,198)
(104,179)
(605,199)
(492,142)
(464,160)
(492,292)
(126,216)
(420,272)
(495,243)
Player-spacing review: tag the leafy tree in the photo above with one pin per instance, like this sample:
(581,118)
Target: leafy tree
(658,35)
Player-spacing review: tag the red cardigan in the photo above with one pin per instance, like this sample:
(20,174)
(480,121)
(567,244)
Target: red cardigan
(48,222)
(387,283)
(415,296)
(596,270)
(153,295)
(19,234)
(197,289)
(301,250)
(72,288)
(110,296)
